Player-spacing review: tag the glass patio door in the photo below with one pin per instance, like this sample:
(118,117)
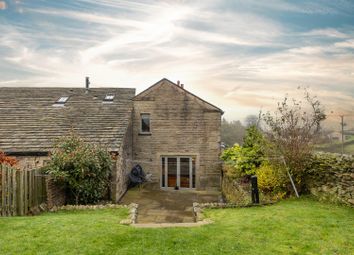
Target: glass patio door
(178,171)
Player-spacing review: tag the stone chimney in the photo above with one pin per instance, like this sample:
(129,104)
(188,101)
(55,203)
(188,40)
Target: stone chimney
(87,85)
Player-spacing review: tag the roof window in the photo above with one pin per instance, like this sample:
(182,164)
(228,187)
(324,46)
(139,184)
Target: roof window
(62,100)
(109,98)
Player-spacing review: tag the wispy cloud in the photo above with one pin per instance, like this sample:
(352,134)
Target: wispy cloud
(2,5)
(239,55)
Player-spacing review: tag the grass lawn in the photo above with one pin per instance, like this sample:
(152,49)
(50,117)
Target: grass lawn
(301,226)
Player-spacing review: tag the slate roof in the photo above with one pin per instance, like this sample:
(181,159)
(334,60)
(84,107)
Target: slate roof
(30,123)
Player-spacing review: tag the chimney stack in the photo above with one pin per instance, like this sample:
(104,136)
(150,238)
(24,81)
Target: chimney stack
(87,84)
(178,82)
(182,86)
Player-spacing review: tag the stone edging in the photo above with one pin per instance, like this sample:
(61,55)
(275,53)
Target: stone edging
(85,207)
(133,214)
(199,207)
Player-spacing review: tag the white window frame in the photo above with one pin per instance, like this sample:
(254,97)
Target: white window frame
(109,97)
(178,182)
(62,100)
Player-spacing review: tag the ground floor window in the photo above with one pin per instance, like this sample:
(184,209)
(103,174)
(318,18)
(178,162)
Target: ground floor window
(178,171)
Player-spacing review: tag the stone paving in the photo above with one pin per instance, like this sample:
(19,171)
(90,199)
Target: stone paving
(167,206)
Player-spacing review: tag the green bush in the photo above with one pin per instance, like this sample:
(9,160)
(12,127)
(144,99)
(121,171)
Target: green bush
(82,167)
(271,179)
(244,160)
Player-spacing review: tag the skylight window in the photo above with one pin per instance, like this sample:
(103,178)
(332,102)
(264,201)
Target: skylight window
(62,100)
(109,98)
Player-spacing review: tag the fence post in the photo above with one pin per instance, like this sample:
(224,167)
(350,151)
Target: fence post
(3,178)
(25,187)
(8,193)
(20,191)
(255,193)
(14,193)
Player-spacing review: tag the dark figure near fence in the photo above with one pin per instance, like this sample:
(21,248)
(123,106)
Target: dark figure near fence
(255,193)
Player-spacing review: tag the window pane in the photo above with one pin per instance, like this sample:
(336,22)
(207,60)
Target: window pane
(62,100)
(184,172)
(172,172)
(163,172)
(193,172)
(145,123)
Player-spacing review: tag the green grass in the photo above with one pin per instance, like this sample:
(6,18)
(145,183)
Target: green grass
(302,226)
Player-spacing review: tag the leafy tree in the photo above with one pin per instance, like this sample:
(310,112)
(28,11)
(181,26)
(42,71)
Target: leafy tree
(247,158)
(232,132)
(292,129)
(82,167)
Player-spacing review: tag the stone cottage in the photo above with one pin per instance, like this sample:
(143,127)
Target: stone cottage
(173,134)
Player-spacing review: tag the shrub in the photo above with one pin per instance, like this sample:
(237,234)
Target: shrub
(82,167)
(293,129)
(245,159)
(270,178)
(4,159)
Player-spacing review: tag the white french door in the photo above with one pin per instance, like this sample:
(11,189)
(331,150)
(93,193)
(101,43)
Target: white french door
(178,171)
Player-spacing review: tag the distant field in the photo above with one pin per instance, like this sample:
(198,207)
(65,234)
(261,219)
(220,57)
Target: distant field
(336,147)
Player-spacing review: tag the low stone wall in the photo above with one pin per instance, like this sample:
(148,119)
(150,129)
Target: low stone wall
(55,194)
(331,177)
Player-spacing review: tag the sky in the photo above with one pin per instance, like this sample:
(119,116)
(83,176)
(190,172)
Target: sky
(242,56)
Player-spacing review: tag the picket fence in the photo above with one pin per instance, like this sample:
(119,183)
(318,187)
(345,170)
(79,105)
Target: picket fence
(21,191)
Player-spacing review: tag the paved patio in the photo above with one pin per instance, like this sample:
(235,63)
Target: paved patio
(167,206)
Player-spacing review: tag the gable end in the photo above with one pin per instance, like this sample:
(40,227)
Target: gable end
(144,95)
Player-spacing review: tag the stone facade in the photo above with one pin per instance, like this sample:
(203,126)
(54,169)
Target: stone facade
(181,125)
(31,162)
(55,193)
(122,166)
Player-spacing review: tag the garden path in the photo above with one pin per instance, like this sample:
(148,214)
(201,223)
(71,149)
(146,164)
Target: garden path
(167,206)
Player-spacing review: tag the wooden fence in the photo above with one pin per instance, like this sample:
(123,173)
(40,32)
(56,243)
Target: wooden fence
(21,192)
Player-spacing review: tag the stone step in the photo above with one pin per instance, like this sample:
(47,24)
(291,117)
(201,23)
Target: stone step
(165,216)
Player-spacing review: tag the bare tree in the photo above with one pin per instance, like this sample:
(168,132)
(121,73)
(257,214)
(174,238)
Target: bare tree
(232,132)
(251,120)
(292,129)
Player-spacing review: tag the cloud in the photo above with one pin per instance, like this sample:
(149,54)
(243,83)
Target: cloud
(237,58)
(345,44)
(326,32)
(3,5)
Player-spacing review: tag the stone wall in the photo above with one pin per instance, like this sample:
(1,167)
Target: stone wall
(331,177)
(122,167)
(181,125)
(55,194)
(31,162)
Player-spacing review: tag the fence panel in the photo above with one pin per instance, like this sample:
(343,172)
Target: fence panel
(21,192)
